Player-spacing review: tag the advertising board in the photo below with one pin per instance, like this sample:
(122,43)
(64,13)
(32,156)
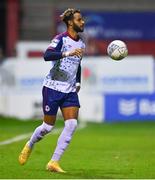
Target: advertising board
(133,74)
(127,107)
(21,84)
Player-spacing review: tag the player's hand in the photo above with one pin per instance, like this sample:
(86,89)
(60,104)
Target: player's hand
(77,52)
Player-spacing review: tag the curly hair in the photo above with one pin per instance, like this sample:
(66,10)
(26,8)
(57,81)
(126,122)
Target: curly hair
(68,15)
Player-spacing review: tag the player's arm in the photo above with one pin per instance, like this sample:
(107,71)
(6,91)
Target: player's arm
(52,55)
(53,51)
(78,79)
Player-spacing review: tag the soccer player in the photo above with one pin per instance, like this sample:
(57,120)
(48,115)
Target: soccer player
(60,88)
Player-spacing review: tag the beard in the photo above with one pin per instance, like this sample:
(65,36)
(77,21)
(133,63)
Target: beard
(77,28)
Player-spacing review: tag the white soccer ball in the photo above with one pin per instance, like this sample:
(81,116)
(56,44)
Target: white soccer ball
(117,50)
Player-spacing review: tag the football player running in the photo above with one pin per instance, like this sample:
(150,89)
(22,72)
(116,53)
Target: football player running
(60,88)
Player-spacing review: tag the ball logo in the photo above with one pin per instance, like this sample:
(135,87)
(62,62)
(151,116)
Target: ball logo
(117,50)
(47,108)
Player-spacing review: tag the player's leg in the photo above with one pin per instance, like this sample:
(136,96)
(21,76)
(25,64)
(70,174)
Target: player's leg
(37,135)
(50,110)
(70,115)
(42,130)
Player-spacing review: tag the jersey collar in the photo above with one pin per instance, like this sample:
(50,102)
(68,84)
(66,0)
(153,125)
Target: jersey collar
(75,39)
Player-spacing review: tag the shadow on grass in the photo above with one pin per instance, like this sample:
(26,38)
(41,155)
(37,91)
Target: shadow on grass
(94,174)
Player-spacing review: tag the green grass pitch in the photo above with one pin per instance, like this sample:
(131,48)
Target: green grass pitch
(98,151)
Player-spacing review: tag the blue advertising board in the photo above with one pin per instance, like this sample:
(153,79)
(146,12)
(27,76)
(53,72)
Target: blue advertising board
(127,107)
(120,25)
(116,25)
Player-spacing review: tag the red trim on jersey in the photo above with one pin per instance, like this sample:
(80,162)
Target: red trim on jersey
(75,39)
(51,48)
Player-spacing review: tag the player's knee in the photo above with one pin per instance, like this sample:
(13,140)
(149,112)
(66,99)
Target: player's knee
(46,127)
(71,124)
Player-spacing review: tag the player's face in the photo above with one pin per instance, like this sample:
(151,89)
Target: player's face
(78,23)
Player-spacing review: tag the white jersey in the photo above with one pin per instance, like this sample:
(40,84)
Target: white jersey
(62,76)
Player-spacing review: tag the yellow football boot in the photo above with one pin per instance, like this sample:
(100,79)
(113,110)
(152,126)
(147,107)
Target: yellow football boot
(24,155)
(53,166)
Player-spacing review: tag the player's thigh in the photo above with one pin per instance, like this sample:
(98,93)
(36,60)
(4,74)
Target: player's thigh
(70,112)
(50,105)
(70,106)
(50,119)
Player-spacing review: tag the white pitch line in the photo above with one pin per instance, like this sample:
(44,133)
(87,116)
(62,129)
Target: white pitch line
(24,136)
(15,139)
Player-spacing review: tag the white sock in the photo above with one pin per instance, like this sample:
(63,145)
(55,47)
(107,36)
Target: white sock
(39,132)
(64,138)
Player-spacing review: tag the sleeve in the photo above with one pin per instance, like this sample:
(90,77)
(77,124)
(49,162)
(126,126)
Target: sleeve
(53,51)
(78,75)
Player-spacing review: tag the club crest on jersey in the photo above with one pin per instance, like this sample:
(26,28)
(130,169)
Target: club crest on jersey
(54,43)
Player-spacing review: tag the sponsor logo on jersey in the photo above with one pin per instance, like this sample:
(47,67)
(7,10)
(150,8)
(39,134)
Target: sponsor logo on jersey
(54,43)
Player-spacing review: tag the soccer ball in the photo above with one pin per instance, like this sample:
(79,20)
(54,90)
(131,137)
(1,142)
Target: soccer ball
(117,50)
